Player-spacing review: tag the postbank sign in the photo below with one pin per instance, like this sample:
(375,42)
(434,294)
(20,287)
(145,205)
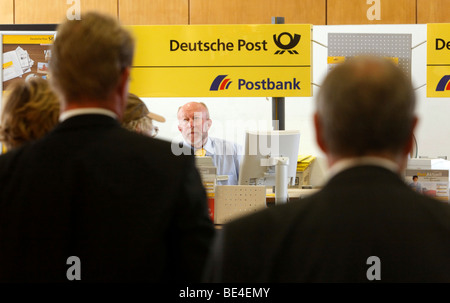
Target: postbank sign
(438,60)
(271,60)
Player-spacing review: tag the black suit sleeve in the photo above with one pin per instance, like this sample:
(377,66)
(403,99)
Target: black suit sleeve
(213,266)
(194,228)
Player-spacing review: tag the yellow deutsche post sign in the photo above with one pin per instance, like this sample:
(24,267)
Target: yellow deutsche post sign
(271,60)
(438,60)
(28,39)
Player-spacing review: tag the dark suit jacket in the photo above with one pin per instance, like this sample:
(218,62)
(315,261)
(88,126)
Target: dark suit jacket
(328,237)
(121,202)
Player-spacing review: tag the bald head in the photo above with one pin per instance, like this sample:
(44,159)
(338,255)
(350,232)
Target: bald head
(194,123)
(365,107)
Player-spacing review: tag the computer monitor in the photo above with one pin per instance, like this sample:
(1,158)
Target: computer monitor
(264,152)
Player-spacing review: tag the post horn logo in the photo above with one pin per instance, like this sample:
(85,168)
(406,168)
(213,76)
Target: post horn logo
(292,43)
(444,84)
(220,83)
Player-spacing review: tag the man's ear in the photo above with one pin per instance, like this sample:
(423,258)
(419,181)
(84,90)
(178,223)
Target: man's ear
(122,90)
(409,146)
(122,87)
(120,94)
(319,133)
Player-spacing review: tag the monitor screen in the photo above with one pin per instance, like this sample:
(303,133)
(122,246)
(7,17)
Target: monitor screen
(262,148)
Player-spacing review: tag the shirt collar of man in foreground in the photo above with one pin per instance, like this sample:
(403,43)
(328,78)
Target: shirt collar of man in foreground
(345,164)
(83,111)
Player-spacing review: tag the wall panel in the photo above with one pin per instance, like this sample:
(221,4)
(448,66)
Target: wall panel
(54,11)
(356,12)
(433,11)
(257,11)
(148,12)
(6,11)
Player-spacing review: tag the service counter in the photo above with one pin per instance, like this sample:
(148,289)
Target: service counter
(231,202)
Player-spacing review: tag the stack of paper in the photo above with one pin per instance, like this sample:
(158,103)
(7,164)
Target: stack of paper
(303,162)
(16,63)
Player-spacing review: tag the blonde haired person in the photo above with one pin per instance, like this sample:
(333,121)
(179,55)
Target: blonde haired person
(31,110)
(138,118)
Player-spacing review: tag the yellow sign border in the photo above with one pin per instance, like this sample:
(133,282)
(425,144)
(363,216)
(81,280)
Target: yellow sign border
(438,60)
(161,72)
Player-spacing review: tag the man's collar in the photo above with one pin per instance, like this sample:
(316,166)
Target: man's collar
(208,146)
(83,111)
(347,163)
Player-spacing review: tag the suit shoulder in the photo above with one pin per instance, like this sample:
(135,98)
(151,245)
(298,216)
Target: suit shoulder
(9,161)
(158,146)
(439,208)
(15,153)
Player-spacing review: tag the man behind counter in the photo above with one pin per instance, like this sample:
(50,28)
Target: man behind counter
(194,123)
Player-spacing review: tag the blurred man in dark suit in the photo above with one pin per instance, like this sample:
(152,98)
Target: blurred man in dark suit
(366,224)
(92,201)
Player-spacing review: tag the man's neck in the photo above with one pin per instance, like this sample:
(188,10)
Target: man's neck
(85,111)
(109,104)
(343,163)
(200,144)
